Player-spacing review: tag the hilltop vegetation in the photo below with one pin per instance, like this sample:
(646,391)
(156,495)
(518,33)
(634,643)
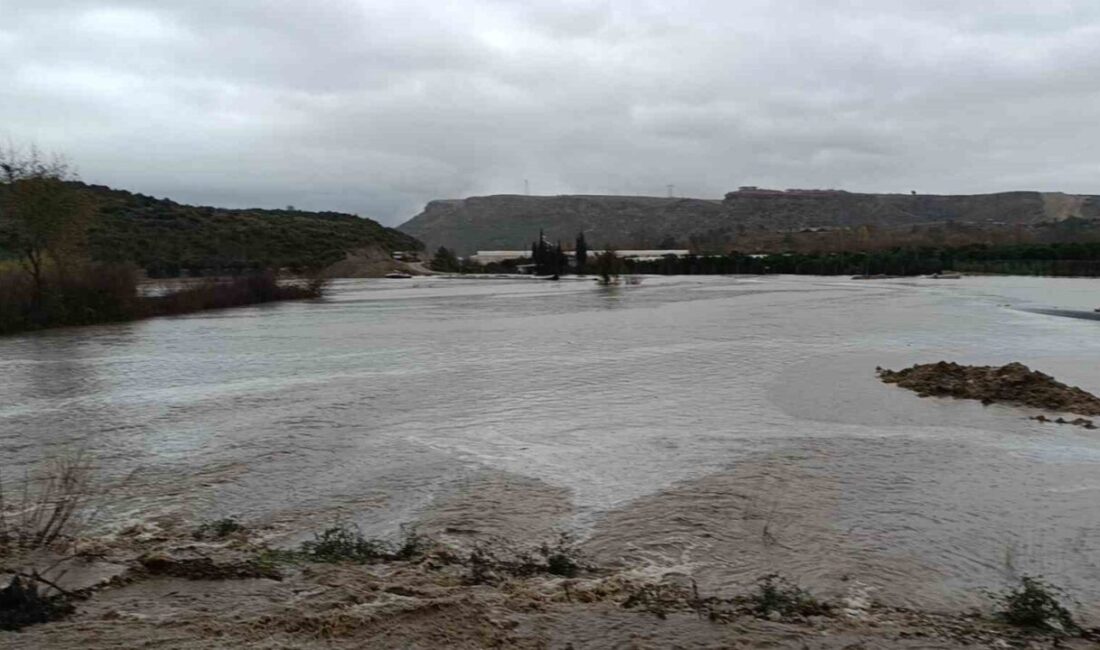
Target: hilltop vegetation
(69,252)
(168,238)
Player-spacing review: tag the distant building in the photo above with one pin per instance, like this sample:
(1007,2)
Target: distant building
(488,257)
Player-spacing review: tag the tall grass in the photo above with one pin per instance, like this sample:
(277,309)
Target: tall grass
(109,293)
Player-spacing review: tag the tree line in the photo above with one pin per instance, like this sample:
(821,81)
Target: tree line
(1080,259)
(1057,259)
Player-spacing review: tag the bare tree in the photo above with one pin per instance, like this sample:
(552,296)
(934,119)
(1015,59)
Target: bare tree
(43,220)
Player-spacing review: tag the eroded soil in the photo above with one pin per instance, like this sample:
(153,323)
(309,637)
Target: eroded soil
(1013,383)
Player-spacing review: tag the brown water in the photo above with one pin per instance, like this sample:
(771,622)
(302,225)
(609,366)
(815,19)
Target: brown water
(722,427)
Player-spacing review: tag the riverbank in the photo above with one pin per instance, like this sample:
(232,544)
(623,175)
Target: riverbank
(221,585)
(112,294)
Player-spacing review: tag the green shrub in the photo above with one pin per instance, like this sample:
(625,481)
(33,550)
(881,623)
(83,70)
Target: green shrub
(775,594)
(560,559)
(218,528)
(345,543)
(1035,604)
(412,545)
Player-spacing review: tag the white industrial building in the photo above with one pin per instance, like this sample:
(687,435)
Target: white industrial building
(489,257)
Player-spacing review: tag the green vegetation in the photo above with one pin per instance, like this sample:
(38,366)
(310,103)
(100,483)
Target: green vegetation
(71,254)
(1036,604)
(1075,259)
(219,529)
(345,543)
(608,265)
(445,261)
(775,598)
(778,596)
(169,239)
(487,564)
(43,220)
(548,260)
(581,249)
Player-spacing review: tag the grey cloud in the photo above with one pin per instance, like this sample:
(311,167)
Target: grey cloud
(375,107)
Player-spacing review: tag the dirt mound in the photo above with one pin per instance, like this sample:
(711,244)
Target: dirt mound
(369,262)
(1013,383)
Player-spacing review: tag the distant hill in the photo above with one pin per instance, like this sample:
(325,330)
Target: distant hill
(512,221)
(166,237)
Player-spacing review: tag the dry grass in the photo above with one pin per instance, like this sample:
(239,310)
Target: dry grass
(49,506)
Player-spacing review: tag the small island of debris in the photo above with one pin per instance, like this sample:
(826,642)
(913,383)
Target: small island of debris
(1013,383)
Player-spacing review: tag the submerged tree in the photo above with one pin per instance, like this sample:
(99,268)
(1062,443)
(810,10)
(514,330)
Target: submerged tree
(445,260)
(581,253)
(543,256)
(608,265)
(560,263)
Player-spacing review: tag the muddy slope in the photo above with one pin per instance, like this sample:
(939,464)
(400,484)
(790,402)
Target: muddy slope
(369,262)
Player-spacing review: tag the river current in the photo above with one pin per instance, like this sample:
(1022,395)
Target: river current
(723,427)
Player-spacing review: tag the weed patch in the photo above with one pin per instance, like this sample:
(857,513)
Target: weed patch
(218,529)
(776,595)
(1035,604)
(346,543)
(486,565)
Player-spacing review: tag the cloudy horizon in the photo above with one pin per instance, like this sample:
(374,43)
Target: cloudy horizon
(378,107)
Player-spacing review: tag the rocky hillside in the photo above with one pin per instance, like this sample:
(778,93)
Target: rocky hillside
(510,221)
(168,238)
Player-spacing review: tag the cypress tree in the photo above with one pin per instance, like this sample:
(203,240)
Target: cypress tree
(581,252)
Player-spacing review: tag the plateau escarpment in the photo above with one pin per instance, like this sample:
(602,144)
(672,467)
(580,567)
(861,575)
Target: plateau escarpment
(744,217)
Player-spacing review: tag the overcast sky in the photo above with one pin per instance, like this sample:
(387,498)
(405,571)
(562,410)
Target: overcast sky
(375,107)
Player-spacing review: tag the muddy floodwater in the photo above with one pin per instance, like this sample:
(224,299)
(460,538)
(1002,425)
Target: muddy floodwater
(719,427)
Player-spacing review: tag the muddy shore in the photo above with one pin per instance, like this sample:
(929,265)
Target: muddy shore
(483,575)
(151,587)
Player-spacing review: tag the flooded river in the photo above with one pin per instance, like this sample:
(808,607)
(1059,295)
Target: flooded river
(722,427)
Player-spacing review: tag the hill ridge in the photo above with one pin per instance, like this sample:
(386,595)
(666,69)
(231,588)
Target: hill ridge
(508,221)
